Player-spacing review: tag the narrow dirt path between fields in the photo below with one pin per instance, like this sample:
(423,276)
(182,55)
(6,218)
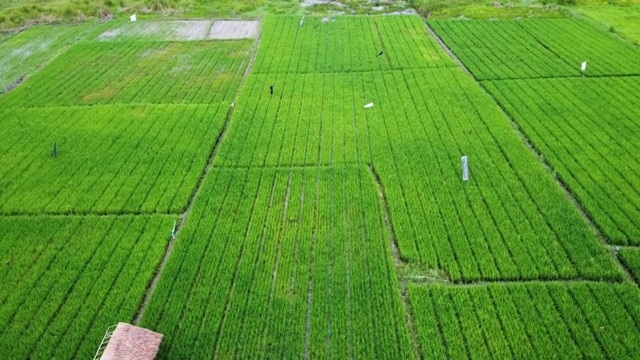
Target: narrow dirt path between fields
(539,156)
(183,217)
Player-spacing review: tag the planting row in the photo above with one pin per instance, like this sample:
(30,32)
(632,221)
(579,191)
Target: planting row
(631,259)
(510,221)
(513,49)
(275,264)
(65,280)
(89,73)
(521,321)
(344,44)
(587,130)
(109,159)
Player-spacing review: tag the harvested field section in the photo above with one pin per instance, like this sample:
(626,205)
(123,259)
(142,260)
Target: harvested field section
(110,159)
(535,320)
(137,72)
(282,263)
(500,50)
(65,280)
(587,129)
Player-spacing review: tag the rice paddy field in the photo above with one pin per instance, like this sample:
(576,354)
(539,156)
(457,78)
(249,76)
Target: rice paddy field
(292,187)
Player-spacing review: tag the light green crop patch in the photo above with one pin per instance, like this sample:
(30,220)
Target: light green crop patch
(266,252)
(537,320)
(66,279)
(110,159)
(24,53)
(127,72)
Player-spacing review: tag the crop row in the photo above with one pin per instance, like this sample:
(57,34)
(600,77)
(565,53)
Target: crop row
(542,321)
(631,259)
(65,280)
(511,49)
(353,44)
(137,72)
(500,50)
(587,131)
(282,264)
(110,159)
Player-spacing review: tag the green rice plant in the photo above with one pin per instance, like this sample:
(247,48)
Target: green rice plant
(110,159)
(265,256)
(68,279)
(537,320)
(585,130)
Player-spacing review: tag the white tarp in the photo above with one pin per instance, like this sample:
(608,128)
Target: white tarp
(465,169)
(368,105)
(133,17)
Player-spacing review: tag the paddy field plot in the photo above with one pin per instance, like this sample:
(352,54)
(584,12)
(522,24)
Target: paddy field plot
(631,259)
(282,263)
(110,158)
(553,320)
(587,129)
(523,49)
(66,279)
(125,72)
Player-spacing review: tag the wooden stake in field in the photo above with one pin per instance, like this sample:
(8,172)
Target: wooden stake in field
(271,89)
(465,169)
(54,153)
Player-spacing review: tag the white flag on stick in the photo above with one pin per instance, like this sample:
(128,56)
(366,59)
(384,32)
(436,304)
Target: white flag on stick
(465,169)
(133,17)
(584,66)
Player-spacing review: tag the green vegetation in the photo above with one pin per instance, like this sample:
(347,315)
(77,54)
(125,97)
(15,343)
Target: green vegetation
(585,128)
(22,54)
(501,50)
(631,259)
(553,320)
(125,72)
(111,159)
(267,253)
(537,48)
(321,207)
(623,20)
(65,280)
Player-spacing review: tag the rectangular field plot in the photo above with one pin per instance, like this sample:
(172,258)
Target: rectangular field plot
(346,44)
(66,279)
(501,50)
(276,264)
(509,221)
(524,321)
(110,159)
(25,52)
(576,41)
(631,259)
(588,130)
(311,119)
(89,73)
